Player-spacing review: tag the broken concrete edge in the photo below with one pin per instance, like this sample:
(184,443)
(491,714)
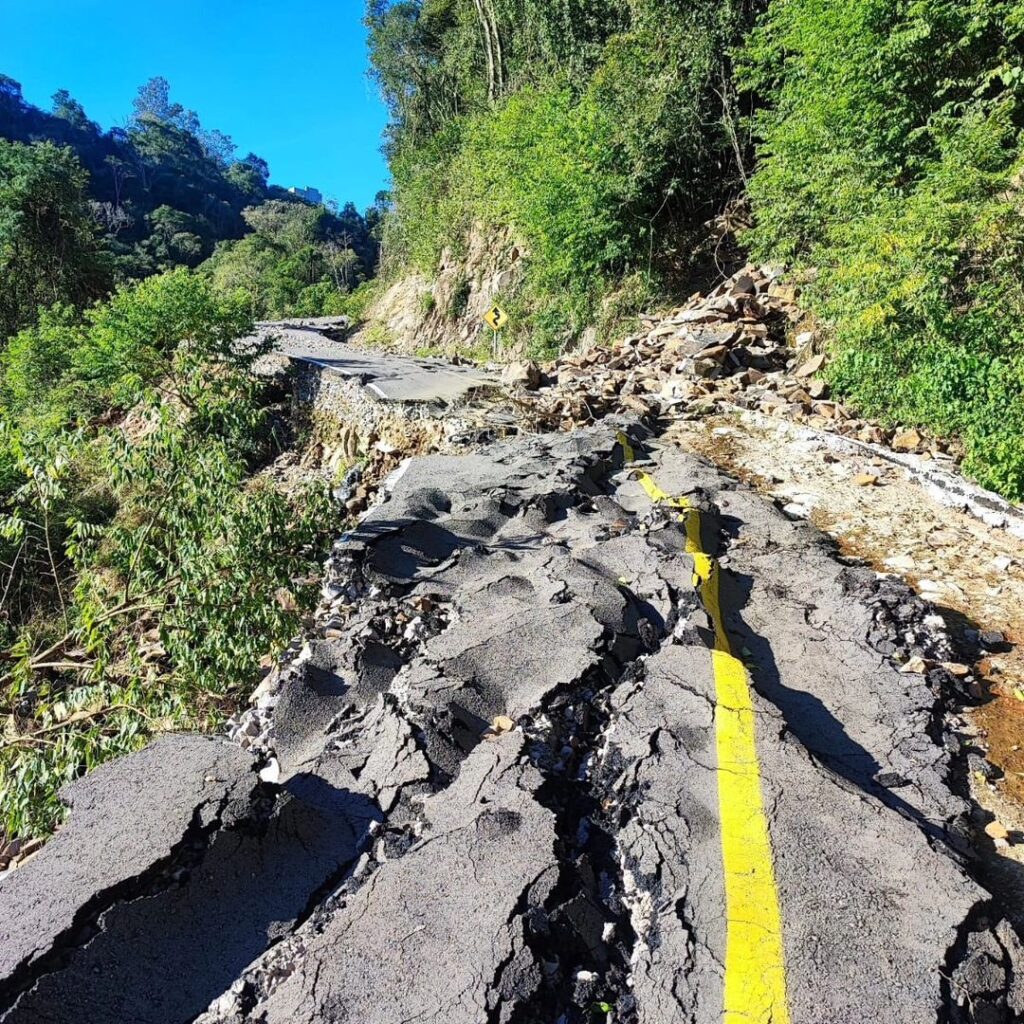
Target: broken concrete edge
(378,394)
(561,795)
(987,960)
(566,729)
(951,489)
(354,440)
(257,980)
(392,379)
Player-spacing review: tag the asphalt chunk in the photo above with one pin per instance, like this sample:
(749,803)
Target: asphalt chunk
(499,795)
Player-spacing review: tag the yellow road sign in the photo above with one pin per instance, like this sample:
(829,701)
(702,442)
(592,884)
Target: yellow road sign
(496,318)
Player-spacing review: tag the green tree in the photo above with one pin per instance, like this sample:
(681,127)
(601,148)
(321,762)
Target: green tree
(245,269)
(175,238)
(49,246)
(299,260)
(288,225)
(424,57)
(148,336)
(66,107)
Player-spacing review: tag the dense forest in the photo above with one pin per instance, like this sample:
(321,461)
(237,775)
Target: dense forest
(140,544)
(872,147)
(88,209)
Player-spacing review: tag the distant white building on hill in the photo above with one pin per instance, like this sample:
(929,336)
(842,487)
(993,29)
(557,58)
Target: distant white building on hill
(311,195)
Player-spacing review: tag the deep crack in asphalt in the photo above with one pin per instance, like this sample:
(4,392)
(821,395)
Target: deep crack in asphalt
(496,790)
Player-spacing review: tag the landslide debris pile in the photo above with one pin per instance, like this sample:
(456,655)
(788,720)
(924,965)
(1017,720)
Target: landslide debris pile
(485,788)
(726,349)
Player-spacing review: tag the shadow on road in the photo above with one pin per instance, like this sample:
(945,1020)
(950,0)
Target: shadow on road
(809,721)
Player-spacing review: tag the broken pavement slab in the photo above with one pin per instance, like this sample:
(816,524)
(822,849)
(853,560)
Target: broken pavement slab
(439,933)
(104,847)
(417,861)
(386,378)
(175,869)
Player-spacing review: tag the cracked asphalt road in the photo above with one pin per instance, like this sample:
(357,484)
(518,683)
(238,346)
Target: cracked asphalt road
(514,774)
(385,377)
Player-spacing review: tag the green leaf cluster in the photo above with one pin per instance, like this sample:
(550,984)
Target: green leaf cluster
(891,162)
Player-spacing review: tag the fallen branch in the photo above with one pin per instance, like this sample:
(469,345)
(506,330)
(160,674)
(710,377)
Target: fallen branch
(74,719)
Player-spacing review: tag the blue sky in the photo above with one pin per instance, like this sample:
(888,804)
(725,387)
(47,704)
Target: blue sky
(284,80)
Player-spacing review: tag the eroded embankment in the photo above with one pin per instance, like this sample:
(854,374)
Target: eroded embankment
(488,786)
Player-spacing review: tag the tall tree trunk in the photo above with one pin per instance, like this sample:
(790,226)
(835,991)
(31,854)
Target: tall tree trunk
(485,25)
(499,56)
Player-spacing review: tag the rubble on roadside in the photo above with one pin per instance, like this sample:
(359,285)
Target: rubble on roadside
(740,346)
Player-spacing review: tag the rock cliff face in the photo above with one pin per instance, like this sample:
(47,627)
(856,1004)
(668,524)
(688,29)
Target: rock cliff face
(445,314)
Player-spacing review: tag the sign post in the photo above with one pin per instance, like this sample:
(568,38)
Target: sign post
(495,318)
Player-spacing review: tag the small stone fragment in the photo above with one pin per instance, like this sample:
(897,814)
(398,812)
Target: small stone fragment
(524,374)
(907,441)
(812,366)
(992,639)
(706,367)
(743,285)
(997,830)
(916,666)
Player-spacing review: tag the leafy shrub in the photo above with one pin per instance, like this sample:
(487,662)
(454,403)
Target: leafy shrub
(356,303)
(140,555)
(892,161)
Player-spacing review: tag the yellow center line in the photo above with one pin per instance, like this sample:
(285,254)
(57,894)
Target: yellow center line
(755,971)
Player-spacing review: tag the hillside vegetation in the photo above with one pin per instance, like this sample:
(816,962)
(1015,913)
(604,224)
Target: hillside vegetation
(892,162)
(141,546)
(140,551)
(83,210)
(873,147)
(604,134)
